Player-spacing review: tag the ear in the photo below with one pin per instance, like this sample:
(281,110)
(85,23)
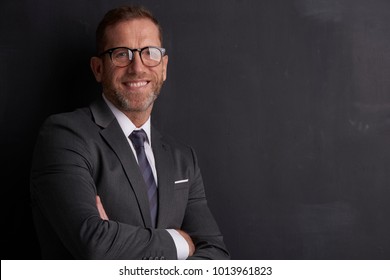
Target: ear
(165,67)
(97,68)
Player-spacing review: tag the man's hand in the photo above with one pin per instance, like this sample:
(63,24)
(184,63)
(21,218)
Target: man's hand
(189,241)
(185,235)
(100,208)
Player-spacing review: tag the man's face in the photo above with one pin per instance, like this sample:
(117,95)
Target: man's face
(133,88)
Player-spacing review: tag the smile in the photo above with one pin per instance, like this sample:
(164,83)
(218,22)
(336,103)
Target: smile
(136,84)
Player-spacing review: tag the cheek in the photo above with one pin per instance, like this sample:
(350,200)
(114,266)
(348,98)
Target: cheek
(161,74)
(111,76)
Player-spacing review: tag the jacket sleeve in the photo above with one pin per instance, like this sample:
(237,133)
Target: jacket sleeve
(64,196)
(199,222)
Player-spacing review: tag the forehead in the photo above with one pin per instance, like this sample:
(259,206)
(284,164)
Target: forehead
(133,33)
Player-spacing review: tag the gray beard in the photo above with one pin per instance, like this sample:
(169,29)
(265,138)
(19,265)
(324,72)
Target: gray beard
(121,102)
(124,104)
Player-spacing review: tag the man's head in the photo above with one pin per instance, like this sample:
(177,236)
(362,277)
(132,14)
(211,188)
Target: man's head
(132,88)
(124,13)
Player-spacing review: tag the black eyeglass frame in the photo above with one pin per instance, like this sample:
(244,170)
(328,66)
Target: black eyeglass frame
(139,50)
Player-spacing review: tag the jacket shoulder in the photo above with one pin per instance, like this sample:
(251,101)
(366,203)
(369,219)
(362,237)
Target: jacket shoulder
(66,117)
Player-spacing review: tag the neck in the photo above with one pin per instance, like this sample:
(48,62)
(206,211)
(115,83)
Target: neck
(138,118)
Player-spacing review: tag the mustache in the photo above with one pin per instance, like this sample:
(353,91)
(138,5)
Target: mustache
(137,77)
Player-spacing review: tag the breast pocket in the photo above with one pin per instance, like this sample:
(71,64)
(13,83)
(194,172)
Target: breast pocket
(181,191)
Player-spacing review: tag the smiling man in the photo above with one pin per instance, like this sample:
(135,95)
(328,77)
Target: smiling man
(105,184)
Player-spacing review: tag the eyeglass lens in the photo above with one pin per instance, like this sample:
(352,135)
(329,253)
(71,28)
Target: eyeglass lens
(150,56)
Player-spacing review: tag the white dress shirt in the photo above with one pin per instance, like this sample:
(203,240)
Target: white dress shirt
(128,127)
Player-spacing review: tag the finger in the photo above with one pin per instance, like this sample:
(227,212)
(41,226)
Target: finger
(191,245)
(100,208)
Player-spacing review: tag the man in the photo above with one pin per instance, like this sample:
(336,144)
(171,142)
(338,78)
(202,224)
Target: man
(104,183)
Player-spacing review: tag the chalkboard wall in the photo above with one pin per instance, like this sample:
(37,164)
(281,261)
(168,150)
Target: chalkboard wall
(287,103)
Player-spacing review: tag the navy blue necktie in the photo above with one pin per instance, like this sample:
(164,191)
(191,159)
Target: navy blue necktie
(138,138)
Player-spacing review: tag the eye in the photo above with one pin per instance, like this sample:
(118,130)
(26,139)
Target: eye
(152,53)
(121,54)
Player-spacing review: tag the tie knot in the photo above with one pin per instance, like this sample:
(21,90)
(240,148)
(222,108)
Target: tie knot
(138,137)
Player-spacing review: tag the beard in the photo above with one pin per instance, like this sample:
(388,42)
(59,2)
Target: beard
(132,101)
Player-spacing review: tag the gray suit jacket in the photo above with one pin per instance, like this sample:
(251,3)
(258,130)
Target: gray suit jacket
(84,153)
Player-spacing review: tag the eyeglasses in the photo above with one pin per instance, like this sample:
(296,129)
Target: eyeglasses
(122,56)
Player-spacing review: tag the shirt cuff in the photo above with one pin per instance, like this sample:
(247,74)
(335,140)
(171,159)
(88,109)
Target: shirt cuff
(182,248)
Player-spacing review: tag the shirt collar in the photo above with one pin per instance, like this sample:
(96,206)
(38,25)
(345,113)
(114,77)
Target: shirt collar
(126,124)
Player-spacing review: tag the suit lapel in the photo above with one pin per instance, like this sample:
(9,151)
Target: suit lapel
(164,167)
(114,136)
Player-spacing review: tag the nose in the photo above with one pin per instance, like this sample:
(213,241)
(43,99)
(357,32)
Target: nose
(136,64)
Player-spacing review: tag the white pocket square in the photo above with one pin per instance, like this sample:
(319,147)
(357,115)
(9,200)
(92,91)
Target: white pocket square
(181,181)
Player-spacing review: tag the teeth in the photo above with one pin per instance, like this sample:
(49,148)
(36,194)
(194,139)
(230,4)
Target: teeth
(137,84)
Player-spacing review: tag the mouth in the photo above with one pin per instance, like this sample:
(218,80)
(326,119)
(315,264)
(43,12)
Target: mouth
(136,84)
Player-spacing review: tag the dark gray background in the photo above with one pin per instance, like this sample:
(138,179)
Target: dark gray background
(287,104)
